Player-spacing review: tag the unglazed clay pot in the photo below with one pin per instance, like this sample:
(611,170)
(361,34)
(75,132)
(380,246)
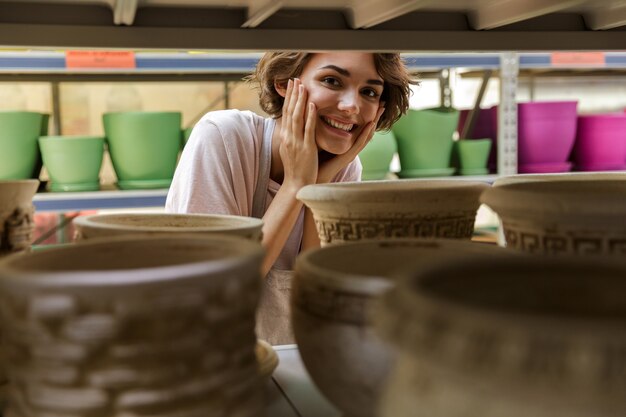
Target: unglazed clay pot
(16,215)
(333,291)
(133,326)
(525,337)
(562,216)
(570,176)
(346,212)
(147,224)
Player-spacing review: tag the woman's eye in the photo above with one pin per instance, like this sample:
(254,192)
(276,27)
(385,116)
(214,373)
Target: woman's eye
(370,93)
(330,81)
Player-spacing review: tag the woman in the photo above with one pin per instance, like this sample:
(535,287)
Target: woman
(324,109)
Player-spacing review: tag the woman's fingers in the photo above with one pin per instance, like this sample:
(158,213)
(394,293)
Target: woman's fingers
(309,127)
(298,113)
(287,96)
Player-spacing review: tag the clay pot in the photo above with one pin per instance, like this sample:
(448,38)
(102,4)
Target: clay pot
(531,336)
(570,176)
(346,212)
(584,216)
(106,225)
(333,291)
(16,215)
(133,326)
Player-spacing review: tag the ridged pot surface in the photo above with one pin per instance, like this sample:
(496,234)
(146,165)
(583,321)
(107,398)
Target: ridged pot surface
(16,215)
(556,217)
(105,225)
(518,337)
(374,210)
(133,326)
(333,292)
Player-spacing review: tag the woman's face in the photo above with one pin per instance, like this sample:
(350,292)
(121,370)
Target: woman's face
(346,90)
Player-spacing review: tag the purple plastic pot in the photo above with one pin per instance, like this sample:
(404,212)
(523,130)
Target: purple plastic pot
(546,131)
(601,142)
(486,126)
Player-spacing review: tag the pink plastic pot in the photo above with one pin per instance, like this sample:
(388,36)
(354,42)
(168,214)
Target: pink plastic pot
(601,142)
(546,131)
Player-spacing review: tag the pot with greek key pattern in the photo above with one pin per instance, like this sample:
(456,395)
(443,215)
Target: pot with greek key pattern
(333,290)
(148,224)
(133,327)
(345,212)
(521,337)
(574,216)
(16,215)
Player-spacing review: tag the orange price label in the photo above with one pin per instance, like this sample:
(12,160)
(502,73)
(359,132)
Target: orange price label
(577,58)
(100,59)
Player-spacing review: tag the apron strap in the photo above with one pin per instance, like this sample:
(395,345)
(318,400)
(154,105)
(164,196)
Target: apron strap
(265,162)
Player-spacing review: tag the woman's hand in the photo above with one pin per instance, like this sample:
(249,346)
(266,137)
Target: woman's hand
(330,168)
(298,149)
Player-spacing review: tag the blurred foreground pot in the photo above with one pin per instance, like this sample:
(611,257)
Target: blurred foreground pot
(526,337)
(333,292)
(583,216)
(16,215)
(381,209)
(148,224)
(133,326)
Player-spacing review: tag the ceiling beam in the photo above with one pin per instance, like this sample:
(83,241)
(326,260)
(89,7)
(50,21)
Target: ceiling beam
(607,18)
(367,14)
(259,11)
(495,14)
(124,11)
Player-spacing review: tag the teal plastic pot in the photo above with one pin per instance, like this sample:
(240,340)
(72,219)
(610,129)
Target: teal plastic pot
(19,147)
(473,155)
(424,138)
(144,147)
(73,162)
(377,155)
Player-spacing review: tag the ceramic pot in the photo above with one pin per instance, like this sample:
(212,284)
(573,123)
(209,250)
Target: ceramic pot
(149,224)
(133,326)
(473,156)
(533,336)
(600,142)
(345,212)
(546,131)
(73,162)
(377,155)
(19,149)
(571,176)
(144,147)
(584,216)
(425,139)
(333,291)
(16,215)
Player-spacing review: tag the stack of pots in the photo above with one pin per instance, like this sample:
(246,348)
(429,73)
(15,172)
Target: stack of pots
(425,142)
(601,142)
(546,135)
(19,148)
(377,155)
(368,230)
(144,147)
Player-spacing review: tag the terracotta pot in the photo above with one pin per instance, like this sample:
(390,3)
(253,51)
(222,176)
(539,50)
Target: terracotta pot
(532,336)
(570,176)
(333,291)
(16,215)
(133,326)
(346,212)
(147,224)
(567,216)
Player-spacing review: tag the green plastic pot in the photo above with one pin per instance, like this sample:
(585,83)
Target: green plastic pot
(186,134)
(473,155)
(144,147)
(73,162)
(19,147)
(377,155)
(424,138)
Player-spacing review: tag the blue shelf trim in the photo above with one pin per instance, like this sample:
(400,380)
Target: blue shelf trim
(99,203)
(487,61)
(11,62)
(224,64)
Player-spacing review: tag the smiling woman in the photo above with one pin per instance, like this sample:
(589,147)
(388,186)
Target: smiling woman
(324,109)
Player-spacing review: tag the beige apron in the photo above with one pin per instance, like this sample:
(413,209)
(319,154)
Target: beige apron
(274,312)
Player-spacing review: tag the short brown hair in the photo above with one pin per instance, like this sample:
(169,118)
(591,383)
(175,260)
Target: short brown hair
(279,67)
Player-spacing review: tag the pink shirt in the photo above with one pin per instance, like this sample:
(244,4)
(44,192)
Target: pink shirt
(218,169)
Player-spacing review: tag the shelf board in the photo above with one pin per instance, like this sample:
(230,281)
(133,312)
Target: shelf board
(94,200)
